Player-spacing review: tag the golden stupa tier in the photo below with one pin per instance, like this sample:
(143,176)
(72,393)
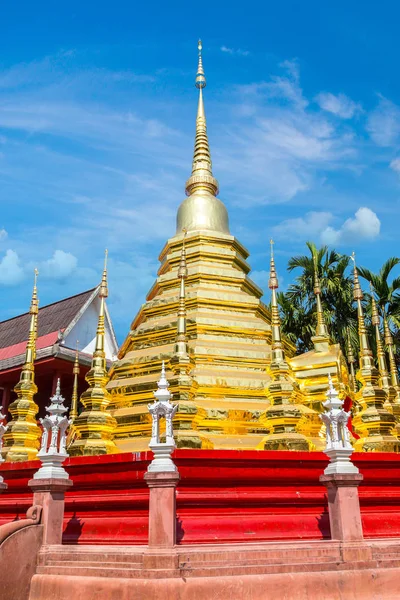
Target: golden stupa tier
(229,336)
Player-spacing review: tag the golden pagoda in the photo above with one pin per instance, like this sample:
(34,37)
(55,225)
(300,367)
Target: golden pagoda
(22,438)
(94,426)
(204,317)
(285,411)
(373,422)
(312,368)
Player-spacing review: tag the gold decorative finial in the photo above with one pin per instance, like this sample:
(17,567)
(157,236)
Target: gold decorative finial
(273,278)
(103,292)
(201,177)
(74,399)
(383,370)
(278,355)
(21,440)
(375,320)
(394,375)
(357,291)
(322,333)
(351,360)
(200,77)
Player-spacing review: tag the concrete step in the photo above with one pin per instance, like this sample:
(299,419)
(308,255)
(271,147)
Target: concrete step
(282,560)
(71,564)
(100,571)
(83,557)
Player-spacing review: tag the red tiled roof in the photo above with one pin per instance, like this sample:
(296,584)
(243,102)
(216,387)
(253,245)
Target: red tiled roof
(42,342)
(51,319)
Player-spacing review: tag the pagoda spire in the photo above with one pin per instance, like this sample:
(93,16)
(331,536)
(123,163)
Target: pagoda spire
(385,381)
(74,399)
(201,177)
(351,360)
(321,338)
(374,422)
(278,354)
(22,439)
(283,415)
(181,345)
(202,210)
(181,365)
(95,425)
(394,374)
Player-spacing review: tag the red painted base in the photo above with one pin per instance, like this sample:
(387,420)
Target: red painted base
(222,496)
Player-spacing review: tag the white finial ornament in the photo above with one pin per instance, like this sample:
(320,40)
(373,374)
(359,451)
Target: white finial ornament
(338,446)
(162,408)
(53,452)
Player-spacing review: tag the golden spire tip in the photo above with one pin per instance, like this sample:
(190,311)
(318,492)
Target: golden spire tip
(273,278)
(103,285)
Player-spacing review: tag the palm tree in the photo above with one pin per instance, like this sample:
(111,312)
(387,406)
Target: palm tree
(388,295)
(298,305)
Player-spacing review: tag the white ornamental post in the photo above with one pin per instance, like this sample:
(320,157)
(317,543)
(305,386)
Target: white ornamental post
(338,446)
(162,408)
(52,454)
(3,429)
(162,474)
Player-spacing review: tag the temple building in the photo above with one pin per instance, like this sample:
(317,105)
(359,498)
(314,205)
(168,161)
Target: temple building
(62,327)
(234,375)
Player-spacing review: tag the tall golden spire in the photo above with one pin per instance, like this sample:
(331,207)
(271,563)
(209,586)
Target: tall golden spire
(181,365)
(95,426)
(394,375)
(321,338)
(181,346)
(201,177)
(74,399)
(351,360)
(278,354)
(374,422)
(321,330)
(21,440)
(202,210)
(283,415)
(383,370)
(366,358)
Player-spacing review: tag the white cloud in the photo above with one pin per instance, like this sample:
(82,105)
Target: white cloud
(237,51)
(365,225)
(307,227)
(383,123)
(3,235)
(340,105)
(11,271)
(60,266)
(280,142)
(395,165)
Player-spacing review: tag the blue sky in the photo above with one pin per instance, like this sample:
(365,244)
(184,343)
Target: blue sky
(97,113)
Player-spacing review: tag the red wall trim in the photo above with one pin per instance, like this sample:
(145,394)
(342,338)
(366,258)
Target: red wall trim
(223,496)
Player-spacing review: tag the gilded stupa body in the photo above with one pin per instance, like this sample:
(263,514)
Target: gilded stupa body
(222,383)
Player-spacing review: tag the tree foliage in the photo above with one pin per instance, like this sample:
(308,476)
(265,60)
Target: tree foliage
(335,271)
